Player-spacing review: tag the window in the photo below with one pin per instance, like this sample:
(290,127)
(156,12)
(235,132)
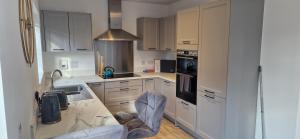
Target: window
(38,42)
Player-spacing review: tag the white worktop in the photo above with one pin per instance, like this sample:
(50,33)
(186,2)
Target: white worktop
(89,113)
(80,115)
(95,78)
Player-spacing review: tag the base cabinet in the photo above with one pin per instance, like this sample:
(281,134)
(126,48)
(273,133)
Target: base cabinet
(125,106)
(211,116)
(121,95)
(98,89)
(186,114)
(148,84)
(168,89)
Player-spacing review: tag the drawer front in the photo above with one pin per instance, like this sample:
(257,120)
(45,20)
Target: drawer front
(125,83)
(125,106)
(122,94)
(186,114)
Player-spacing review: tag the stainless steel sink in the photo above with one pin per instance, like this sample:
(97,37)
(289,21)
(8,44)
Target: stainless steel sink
(75,93)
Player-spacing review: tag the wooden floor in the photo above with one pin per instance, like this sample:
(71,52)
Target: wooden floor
(169,131)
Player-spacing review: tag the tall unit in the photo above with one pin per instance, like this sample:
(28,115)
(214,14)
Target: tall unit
(212,70)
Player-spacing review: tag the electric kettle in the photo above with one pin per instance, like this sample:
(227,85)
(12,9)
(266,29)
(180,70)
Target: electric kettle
(108,72)
(50,108)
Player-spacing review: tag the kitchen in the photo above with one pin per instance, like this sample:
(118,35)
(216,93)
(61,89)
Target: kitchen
(119,80)
(104,55)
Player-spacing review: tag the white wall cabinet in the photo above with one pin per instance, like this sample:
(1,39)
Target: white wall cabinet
(148,84)
(56,31)
(80,25)
(65,32)
(148,33)
(211,116)
(98,89)
(186,114)
(167,33)
(168,89)
(188,29)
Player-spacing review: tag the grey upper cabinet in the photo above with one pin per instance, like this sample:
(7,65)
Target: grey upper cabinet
(56,31)
(148,33)
(80,31)
(167,28)
(65,32)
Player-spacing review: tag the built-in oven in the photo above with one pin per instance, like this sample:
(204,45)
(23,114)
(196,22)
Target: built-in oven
(186,76)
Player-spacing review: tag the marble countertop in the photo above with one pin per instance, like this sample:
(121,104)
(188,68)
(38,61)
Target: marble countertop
(80,115)
(89,113)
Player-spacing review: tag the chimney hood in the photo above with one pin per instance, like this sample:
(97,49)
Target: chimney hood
(115,32)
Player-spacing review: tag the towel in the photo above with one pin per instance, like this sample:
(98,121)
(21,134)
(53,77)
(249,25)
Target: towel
(181,81)
(187,84)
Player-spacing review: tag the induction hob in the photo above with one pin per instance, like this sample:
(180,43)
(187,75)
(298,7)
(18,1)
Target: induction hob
(123,75)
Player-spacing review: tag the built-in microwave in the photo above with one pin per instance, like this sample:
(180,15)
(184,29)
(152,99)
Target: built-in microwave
(186,76)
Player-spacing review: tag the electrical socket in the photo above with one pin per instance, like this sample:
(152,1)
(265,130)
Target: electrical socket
(64,64)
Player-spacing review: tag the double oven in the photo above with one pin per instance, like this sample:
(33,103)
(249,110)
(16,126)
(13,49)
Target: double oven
(186,76)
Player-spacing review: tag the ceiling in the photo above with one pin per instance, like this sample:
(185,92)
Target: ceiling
(156,1)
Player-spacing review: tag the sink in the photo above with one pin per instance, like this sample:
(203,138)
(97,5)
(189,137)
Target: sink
(75,93)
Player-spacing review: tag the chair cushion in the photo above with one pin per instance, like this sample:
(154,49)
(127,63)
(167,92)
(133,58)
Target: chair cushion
(138,129)
(123,117)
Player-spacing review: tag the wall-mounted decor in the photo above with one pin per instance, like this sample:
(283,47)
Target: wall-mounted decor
(27,30)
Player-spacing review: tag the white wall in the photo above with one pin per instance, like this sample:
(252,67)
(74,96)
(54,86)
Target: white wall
(3,129)
(78,63)
(18,77)
(244,57)
(298,119)
(98,8)
(280,57)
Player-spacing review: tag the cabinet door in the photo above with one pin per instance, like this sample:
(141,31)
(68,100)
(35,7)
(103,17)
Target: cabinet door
(169,90)
(80,31)
(56,29)
(211,116)
(148,32)
(213,50)
(148,85)
(186,114)
(157,85)
(167,33)
(188,27)
(98,89)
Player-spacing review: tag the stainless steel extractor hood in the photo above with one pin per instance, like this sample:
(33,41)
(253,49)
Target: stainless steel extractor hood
(115,32)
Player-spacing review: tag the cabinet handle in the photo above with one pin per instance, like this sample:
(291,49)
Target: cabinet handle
(82,49)
(189,58)
(211,92)
(124,81)
(167,82)
(96,84)
(186,42)
(209,97)
(149,79)
(58,49)
(184,103)
(124,103)
(151,48)
(124,89)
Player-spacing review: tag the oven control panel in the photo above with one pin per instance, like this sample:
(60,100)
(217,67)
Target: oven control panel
(187,53)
